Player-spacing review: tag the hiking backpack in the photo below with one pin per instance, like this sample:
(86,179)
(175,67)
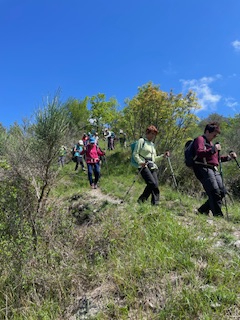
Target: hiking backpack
(72,151)
(132,146)
(189,153)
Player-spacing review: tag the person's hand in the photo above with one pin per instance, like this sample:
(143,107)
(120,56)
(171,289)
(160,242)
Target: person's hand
(167,154)
(217,147)
(233,154)
(143,164)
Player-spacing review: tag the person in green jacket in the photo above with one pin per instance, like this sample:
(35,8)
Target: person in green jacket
(62,156)
(145,155)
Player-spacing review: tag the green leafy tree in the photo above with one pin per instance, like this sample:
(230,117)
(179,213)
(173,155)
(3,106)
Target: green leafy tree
(103,112)
(78,114)
(171,114)
(2,139)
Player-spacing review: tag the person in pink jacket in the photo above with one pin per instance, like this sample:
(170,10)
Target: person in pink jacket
(92,153)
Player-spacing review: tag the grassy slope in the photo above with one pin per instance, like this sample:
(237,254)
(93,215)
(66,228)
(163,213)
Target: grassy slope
(101,260)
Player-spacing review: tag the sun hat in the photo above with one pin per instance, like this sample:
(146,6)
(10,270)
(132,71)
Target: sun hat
(92,140)
(80,142)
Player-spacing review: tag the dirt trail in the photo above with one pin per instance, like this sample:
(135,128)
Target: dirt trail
(97,193)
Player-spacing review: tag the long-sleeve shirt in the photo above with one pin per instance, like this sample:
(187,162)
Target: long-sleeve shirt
(145,150)
(206,153)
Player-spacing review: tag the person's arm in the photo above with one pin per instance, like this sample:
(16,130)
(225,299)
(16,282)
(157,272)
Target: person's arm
(203,149)
(100,152)
(165,155)
(229,157)
(83,151)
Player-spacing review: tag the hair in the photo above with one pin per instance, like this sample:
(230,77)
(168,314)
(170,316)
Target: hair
(152,128)
(211,127)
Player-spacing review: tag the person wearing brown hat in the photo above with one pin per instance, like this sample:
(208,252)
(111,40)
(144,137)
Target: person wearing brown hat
(145,155)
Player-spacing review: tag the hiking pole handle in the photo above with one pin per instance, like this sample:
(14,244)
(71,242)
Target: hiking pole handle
(234,158)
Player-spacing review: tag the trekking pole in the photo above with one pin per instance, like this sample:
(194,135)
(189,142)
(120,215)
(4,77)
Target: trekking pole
(105,161)
(172,173)
(106,164)
(237,163)
(135,179)
(221,173)
(235,160)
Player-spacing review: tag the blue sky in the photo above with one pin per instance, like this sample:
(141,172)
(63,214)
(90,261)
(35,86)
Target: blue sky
(114,47)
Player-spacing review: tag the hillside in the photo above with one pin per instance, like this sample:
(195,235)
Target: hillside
(101,255)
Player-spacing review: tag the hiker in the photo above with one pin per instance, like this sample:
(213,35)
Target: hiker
(206,170)
(96,137)
(92,153)
(85,139)
(110,136)
(122,139)
(62,155)
(78,148)
(145,155)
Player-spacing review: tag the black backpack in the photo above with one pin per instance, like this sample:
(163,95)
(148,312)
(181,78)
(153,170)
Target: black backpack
(189,153)
(73,152)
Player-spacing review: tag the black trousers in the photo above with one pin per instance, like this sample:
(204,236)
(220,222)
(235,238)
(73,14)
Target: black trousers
(151,179)
(212,183)
(79,160)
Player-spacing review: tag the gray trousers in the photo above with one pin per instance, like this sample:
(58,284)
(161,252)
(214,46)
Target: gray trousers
(212,183)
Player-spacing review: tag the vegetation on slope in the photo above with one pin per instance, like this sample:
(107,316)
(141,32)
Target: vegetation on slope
(68,252)
(102,259)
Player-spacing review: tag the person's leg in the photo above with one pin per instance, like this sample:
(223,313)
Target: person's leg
(151,184)
(204,209)
(155,189)
(82,164)
(96,171)
(109,143)
(201,174)
(212,184)
(90,172)
(77,162)
(218,194)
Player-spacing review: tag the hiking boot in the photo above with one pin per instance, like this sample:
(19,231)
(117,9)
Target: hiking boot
(198,211)
(83,169)
(92,186)
(220,215)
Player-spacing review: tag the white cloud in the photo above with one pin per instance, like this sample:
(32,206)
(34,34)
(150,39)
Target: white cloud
(169,71)
(231,103)
(236,45)
(206,98)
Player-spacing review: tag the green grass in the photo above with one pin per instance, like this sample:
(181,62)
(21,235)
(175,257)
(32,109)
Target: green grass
(129,261)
